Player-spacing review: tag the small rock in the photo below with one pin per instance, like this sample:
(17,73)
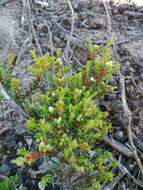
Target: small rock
(119,135)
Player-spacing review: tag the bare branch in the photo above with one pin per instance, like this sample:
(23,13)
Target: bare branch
(128,114)
(33,29)
(22,51)
(124,171)
(52,51)
(108,16)
(118,146)
(134,14)
(67,47)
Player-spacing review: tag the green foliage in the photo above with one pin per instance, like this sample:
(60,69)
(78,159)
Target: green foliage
(65,121)
(46,179)
(5,76)
(11,60)
(22,157)
(9,183)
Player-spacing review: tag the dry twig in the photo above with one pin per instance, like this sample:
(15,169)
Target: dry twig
(118,146)
(134,14)
(108,16)
(24,15)
(124,171)
(22,51)
(52,50)
(67,47)
(33,29)
(128,114)
(43,4)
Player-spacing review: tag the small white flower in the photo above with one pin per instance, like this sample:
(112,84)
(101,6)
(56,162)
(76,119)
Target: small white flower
(53,94)
(92,79)
(51,109)
(41,146)
(60,61)
(59,120)
(42,143)
(109,63)
(77,90)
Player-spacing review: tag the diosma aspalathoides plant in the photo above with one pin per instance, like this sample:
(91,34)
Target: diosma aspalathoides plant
(66,122)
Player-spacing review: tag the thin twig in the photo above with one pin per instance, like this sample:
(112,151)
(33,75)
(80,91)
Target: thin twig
(33,29)
(24,15)
(109,29)
(123,169)
(22,51)
(134,14)
(72,24)
(118,146)
(52,51)
(67,47)
(138,143)
(128,114)
(43,4)
(108,16)
(51,40)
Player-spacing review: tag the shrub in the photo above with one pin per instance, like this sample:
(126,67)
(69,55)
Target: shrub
(9,183)
(66,122)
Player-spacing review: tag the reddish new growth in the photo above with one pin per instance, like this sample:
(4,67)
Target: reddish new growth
(38,78)
(35,156)
(92,56)
(102,73)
